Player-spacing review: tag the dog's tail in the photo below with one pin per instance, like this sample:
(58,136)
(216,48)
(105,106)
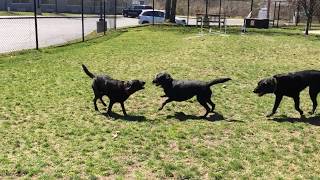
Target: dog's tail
(85,69)
(217,81)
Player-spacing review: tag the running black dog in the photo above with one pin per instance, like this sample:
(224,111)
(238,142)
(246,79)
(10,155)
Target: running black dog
(117,91)
(181,90)
(291,85)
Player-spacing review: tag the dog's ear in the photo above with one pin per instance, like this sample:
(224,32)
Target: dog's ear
(168,76)
(274,83)
(129,85)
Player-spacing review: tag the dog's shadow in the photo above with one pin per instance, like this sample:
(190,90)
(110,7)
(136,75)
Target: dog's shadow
(184,117)
(315,120)
(125,118)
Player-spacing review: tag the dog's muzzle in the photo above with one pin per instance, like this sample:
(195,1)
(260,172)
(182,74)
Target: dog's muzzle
(155,82)
(259,93)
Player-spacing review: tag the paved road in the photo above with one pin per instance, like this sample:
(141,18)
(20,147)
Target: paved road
(19,34)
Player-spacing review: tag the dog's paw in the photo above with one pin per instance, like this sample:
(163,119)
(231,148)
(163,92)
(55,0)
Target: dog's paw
(311,112)
(269,115)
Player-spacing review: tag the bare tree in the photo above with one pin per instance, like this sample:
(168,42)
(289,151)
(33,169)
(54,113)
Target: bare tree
(171,10)
(309,7)
(168,9)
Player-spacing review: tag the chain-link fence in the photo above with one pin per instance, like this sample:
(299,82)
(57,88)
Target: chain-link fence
(27,24)
(37,24)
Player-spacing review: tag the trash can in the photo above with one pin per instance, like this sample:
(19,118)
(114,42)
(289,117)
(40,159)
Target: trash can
(100,25)
(257,23)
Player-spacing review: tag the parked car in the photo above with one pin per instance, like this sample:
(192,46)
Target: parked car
(147,16)
(134,10)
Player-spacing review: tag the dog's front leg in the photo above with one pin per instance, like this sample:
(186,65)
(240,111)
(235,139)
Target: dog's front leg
(123,109)
(103,103)
(164,103)
(297,105)
(276,105)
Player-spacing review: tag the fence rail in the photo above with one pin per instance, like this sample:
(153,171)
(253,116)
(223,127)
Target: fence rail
(35,31)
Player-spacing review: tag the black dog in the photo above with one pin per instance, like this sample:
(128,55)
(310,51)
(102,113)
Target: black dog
(181,90)
(291,85)
(117,91)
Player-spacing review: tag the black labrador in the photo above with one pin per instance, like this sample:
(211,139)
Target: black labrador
(117,91)
(181,90)
(291,84)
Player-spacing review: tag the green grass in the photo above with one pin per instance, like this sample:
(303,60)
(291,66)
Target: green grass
(49,129)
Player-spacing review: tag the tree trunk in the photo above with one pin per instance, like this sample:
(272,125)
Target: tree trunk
(173,11)
(308,26)
(168,9)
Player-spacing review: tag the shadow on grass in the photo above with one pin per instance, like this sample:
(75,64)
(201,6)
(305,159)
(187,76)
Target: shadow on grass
(315,120)
(184,117)
(125,118)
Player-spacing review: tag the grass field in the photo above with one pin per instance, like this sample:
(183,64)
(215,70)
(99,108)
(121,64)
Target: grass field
(49,129)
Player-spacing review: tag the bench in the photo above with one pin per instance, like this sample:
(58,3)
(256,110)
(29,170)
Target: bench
(212,18)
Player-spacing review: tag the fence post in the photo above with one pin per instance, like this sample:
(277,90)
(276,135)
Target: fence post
(36,22)
(104,17)
(219,14)
(115,14)
(82,21)
(278,14)
(274,12)
(153,12)
(188,13)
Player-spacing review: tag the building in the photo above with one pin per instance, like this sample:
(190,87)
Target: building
(66,6)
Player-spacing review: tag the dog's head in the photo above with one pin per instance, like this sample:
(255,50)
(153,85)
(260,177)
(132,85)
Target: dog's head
(135,85)
(162,79)
(265,86)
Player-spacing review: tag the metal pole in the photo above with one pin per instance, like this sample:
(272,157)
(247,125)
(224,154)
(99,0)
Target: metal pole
(206,18)
(100,9)
(207,2)
(251,6)
(298,15)
(82,20)
(36,23)
(274,12)
(219,13)
(153,12)
(278,14)
(188,12)
(104,17)
(115,14)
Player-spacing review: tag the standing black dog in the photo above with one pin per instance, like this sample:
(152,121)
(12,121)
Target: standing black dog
(117,91)
(291,85)
(181,90)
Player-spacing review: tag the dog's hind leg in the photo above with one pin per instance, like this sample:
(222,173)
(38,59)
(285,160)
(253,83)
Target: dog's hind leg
(313,95)
(212,105)
(205,105)
(110,107)
(123,109)
(297,104)
(95,103)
